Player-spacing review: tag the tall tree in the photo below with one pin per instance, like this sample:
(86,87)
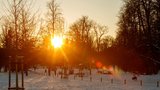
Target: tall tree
(81,36)
(88,37)
(55,20)
(18,24)
(100,31)
(139,29)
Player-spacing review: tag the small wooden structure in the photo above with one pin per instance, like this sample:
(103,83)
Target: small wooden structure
(16,62)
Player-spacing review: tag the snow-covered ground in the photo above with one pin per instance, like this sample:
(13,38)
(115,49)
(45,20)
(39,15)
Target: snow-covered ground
(37,80)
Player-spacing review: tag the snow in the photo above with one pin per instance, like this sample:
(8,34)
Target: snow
(38,80)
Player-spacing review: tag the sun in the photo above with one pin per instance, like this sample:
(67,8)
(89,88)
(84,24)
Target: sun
(57,42)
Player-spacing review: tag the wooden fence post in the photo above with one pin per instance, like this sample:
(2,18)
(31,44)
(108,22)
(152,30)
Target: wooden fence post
(81,77)
(74,77)
(101,79)
(125,82)
(141,82)
(111,81)
(91,79)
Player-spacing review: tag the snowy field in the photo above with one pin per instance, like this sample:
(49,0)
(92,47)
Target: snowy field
(38,80)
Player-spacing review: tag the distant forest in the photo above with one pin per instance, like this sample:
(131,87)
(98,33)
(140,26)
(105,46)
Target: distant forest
(136,47)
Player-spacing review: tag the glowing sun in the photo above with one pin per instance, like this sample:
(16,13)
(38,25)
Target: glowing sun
(57,42)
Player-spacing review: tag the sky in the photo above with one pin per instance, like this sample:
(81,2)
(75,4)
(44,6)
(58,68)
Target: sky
(104,12)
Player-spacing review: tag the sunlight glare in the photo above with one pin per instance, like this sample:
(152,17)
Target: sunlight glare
(57,42)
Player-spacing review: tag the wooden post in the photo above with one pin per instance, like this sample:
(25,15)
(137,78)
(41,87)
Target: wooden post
(125,82)
(49,71)
(74,77)
(81,77)
(111,81)
(22,73)
(141,82)
(62,73)
(16,74)
(90,70)
(157,83)
(91,79)
(101,79)
(9,82)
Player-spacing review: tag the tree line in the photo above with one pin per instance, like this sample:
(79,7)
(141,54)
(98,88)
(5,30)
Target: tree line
(24,32)
(139,34)
(136,47)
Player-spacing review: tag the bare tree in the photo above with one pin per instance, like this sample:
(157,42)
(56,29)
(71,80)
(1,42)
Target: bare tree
(81,36)
(106,42)
(100,32)
(12,20)
(7,35)
(81,30)
(55,20)
(28,24)
(139,29)
(20,21)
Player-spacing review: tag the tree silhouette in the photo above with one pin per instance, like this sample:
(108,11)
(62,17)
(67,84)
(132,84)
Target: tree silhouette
(55,20)
(81,36)
(138,31)
(19,23)
(18,26)
(100,32)
(89,38)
